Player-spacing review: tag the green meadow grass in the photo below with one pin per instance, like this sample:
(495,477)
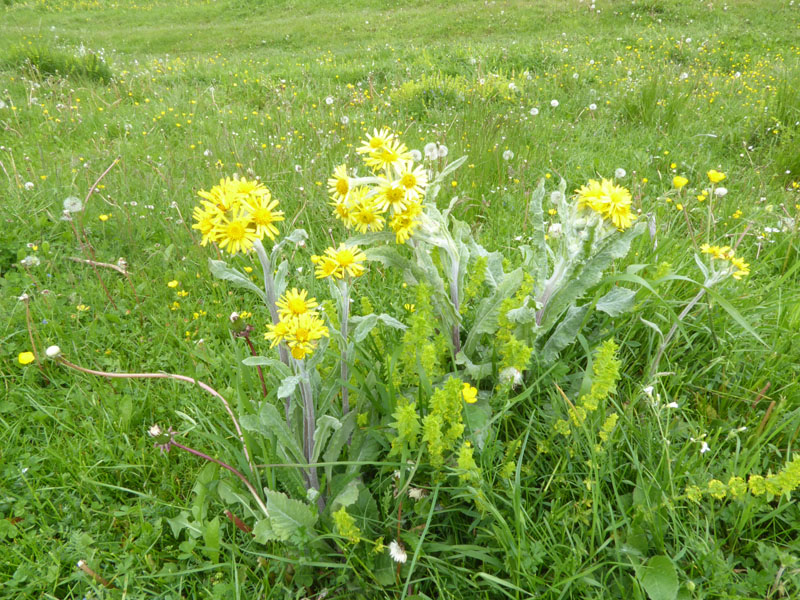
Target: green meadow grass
(181,94)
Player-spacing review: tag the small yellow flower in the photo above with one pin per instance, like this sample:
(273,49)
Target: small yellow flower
(103,218)
(82,307)
(679,181)
(409,307)
(173,284)
(679,206)
(715,176)
(26,358)
(182,293)
(469,393)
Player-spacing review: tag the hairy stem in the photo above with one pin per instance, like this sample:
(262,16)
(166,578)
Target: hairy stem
(224,465)
(200,384)
(344,366)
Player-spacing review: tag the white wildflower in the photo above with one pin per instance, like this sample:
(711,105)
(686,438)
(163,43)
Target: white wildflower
(511,375)
(508,155)
(443,151)
(397,552)
(593,106)
(720,192)
(534,112)
(52,351)
(30,261)
(329,100)
(29,185)
(704,447)
(554,103)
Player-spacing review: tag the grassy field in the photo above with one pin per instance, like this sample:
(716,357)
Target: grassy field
(139,105)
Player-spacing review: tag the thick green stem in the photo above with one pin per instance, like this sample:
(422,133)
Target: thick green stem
(309,425)
(344,372)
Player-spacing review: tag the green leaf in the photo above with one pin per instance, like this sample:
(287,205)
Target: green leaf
(348,496)
(271,425)
(297,236)
(289,518)
(263,532)
(476,372)
(279,280)
(571,288)
(288,386)
(363,325)
(538,266)
(338,440)
(326,424)
(211,539)
(735,315)
(282,371)
(659,578)
(221,270)
(565,333)
(616,302)
(486,313)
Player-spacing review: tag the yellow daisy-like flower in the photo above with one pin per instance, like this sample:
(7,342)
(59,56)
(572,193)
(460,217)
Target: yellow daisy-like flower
(377,140)
(295,303)
(391,194)
(742,268)
(263,214)
(589,195)
(391,154)
(366,215)
(234,233)
(715,176)
(717,252)
(617,205)
(345,260)
(223,195)
(403,224)
(276,333)
(26,358)
(303,334)
(412,179)
(469,393)
(679,181)
(339,184)
(206,216)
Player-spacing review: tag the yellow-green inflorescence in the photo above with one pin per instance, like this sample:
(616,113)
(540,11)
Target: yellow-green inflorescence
(604,383)
(782,483)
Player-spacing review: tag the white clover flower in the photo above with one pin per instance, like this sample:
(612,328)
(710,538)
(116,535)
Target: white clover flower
(443,151)
(29,185)
(329,100)
(554,103)
(620,173)
(555,230)
(397,552)
(704,447)
(534,112)
(593,106)
(508,155)
(416,155)
(52,351)
(511,375)
(720,192)
(30,261)
(431,151)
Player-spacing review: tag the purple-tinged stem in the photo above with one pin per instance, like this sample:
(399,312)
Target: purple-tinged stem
(224,465)
(202,385)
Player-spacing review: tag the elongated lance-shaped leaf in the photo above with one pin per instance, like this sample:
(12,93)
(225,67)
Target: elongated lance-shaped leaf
(326,425)
(367,239)
(282,371)
(221,270)
(280,279)
(297,236)
(272,426)
(486,313)
(436,185)
(571,288)
(338,441)
(617,301)
(564,334)
(390,257)
(538,266)
(441,295)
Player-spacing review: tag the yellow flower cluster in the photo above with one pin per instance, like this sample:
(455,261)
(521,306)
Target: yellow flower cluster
(610,201)
(236,212)
(299,325)
(340,262)
(397,188)
(726,253)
